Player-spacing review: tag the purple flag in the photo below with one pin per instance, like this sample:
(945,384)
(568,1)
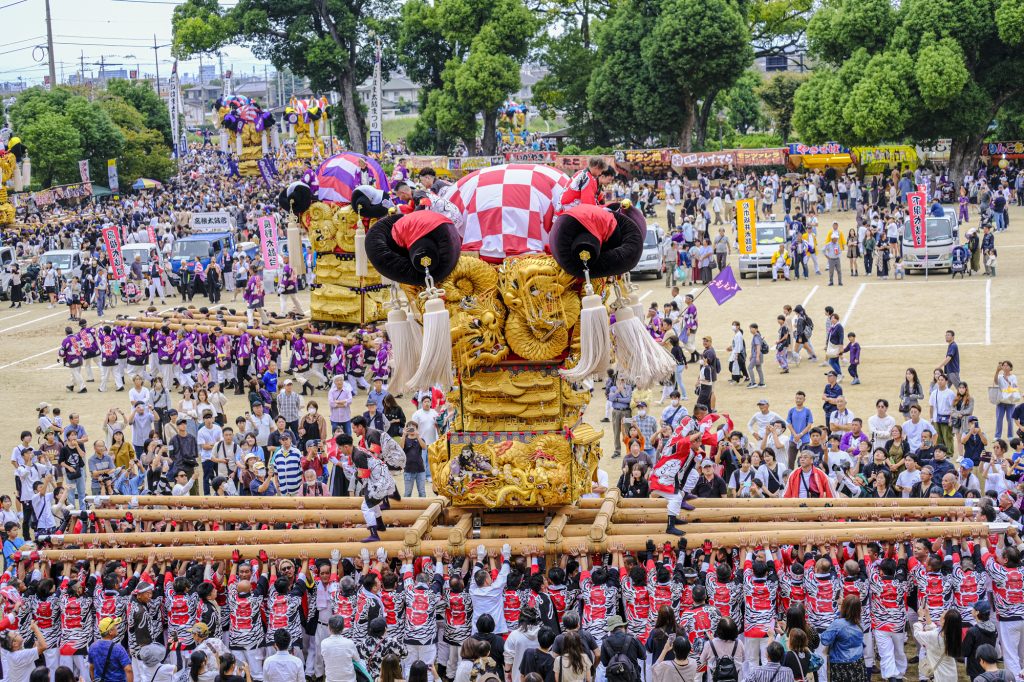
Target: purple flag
(724,286)
(265,170)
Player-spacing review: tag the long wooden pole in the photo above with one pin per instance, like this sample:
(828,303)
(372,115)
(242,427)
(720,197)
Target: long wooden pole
(228,328)
(250,502)
(748,515)
(323,517)
(771,502)
(318,535)
(521,546)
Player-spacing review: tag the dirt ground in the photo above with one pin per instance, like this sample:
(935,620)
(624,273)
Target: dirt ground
(900,324)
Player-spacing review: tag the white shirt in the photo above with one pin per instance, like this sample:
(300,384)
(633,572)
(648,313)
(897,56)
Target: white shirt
(283,667)
(841,418)
(880,428)
(490,600)
(208,436)
(141,395)
(426,421)
(18,665)
(338,653)
(907,480)
(836,459)
(262,427)
(602,480)
(760,421)
(161,672)
(941,402)
(913,431)
(42,507)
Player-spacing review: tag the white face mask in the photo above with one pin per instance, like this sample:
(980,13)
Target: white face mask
(675,403)
(642,412)
(311,410)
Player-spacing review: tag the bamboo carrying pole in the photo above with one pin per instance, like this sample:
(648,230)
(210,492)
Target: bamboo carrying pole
(250,502)
(522,546)
(551,535)
(228,329)
(747,515)
(324,517)
(733,502)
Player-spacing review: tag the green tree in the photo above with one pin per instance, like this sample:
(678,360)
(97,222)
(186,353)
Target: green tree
(327,41)
(145,153)
(924,69)
(55,147)
(777,27)
(778,94)
(743,104)
(98,137)
(143,98)
(482,44)
(695,49)
(570,63)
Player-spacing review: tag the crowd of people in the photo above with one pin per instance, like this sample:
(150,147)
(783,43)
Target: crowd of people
(318,420)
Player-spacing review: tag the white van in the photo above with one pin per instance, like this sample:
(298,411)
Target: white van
(769,235)
(653,254)
(143,250)
(941,235)
(67,261)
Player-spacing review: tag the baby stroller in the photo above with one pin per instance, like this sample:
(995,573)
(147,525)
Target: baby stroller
(960,259)
(131,292)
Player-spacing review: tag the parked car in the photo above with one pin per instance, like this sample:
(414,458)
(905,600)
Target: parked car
(769,235)
(941,235)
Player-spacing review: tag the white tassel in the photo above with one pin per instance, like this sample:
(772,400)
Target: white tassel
(640,359)
(26,172)
(263,142)
(18,181)
(436,352)
(275,137)
(417,331)
(362,266)
(238,143)
(404,348)
(223,142)
(595,341)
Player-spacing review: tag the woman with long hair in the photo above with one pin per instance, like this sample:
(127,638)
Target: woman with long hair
(231,671)
(844,643)
(573,665)
(942,644)
(853,250)
(963,408)
(664,630)
(120,450)
(798,658)
(390,669)
(200,668)
(911,392)
(395,416)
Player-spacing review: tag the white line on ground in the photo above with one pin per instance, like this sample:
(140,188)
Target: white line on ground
(38,319)
(922,345)
(853,303)
(18,362)
(644,295)
(988,312)
(11,317)
(813,291)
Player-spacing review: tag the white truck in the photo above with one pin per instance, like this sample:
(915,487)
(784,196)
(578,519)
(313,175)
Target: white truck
(769,235)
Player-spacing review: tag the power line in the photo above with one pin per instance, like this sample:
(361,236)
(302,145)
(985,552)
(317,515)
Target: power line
(12,4)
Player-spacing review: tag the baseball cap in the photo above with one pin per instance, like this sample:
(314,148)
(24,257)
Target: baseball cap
(762,401)
(707,463)
(108,624)
(983,608)
(967,463)
(988,653)
(830,373)
(288,382)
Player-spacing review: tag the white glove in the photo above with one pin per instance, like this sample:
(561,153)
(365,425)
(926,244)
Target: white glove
(481,552)
(506,551)
(382,555)
(364,554)
(336,556)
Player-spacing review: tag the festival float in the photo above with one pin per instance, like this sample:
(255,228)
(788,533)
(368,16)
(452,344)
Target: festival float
(249,131)
(309,121)
(336,204)
(513,291)
(14,169)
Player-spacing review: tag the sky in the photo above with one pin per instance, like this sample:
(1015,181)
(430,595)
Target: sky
(118,31)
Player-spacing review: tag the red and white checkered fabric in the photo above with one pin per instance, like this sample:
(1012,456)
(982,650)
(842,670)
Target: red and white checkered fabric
(507,210)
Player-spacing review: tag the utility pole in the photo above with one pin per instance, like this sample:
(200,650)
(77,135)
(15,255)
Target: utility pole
(266,86)
(156,62)
(49,47)
(200,72)
(103,71)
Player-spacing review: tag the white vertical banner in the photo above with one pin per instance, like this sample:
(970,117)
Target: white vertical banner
(83,169)
(173,109)
(375,144)
(228,87)
(112,175)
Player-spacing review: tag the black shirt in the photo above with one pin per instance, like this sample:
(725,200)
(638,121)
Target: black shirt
(536,661)
(414,465)
(74,459)
(716,488)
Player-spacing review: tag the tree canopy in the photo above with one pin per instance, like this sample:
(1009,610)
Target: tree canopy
(330,42)
(923,68)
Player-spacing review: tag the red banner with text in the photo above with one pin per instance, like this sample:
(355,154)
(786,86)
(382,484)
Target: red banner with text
(112,240)
(917,206)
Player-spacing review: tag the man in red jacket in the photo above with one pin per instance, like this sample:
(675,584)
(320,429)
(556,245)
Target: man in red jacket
(808,480)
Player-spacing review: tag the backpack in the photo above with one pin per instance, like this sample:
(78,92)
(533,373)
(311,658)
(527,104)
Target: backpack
(764,346)
(620,668)
(808,324)
(725,666)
